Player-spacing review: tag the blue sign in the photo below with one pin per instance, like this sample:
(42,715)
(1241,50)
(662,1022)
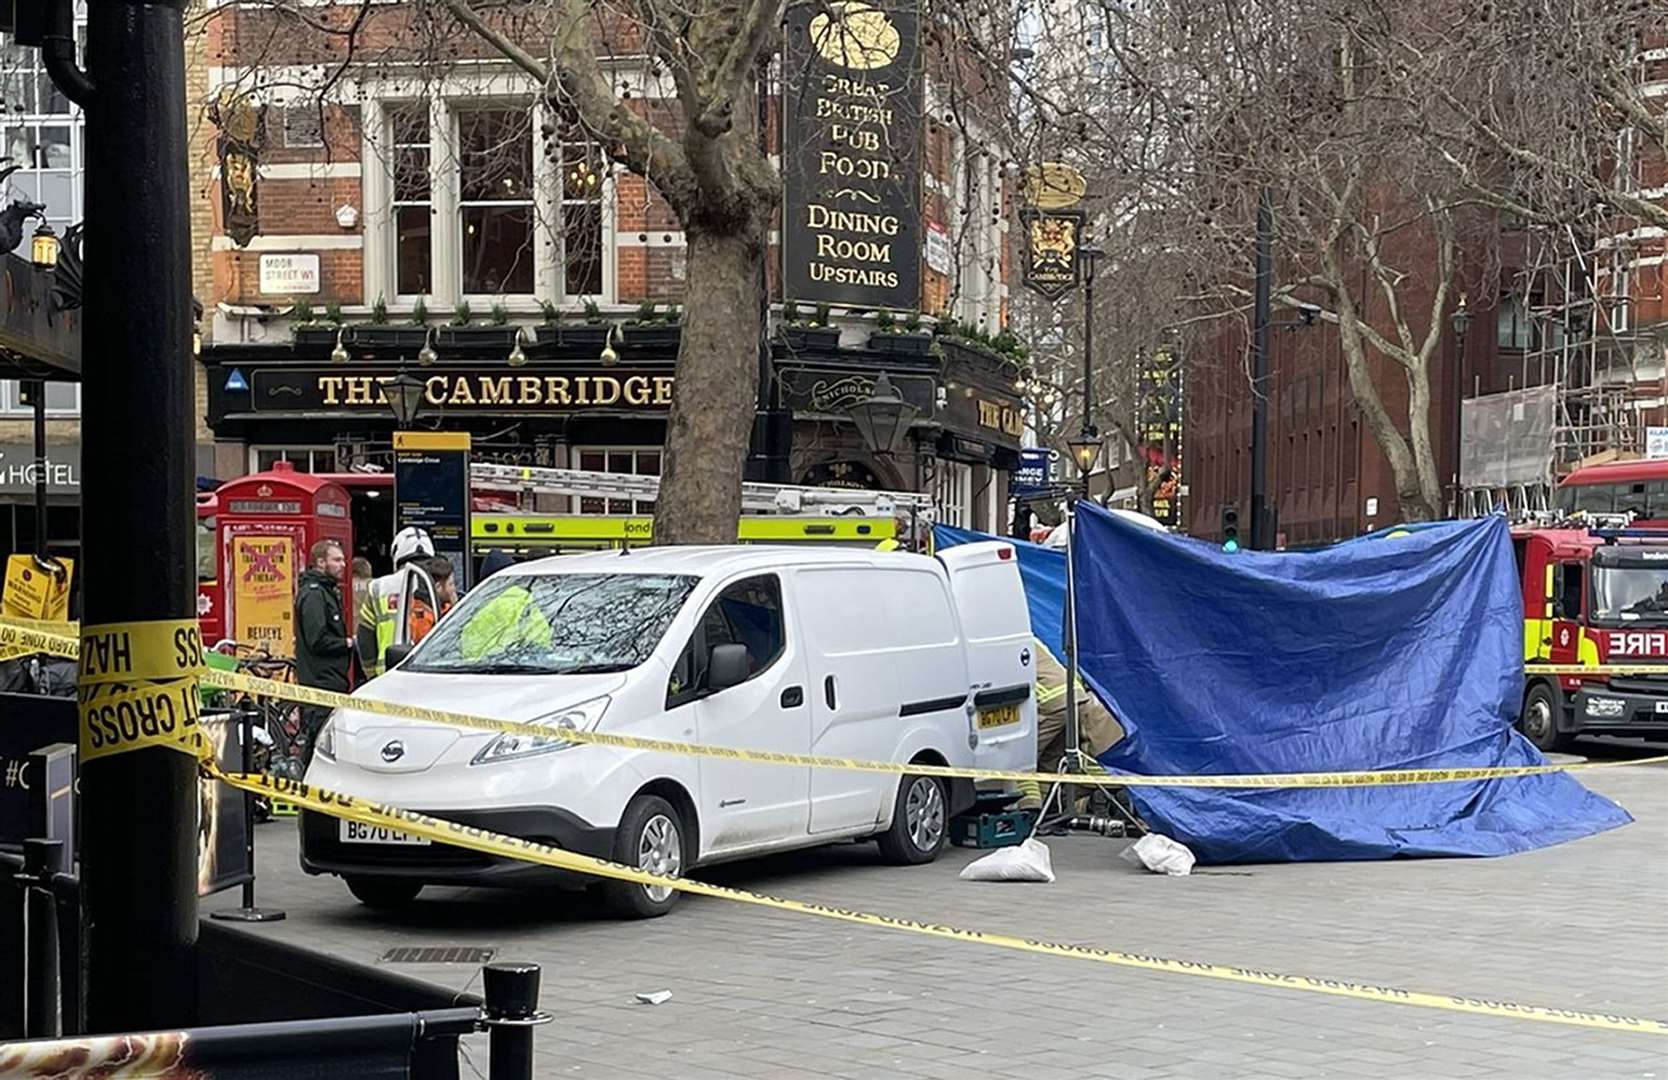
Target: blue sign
(1032,475)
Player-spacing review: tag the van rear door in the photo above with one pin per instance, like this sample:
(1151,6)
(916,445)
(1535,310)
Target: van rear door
(996,625)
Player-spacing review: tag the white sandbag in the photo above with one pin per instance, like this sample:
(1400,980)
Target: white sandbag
(1161,855)
(1027,862)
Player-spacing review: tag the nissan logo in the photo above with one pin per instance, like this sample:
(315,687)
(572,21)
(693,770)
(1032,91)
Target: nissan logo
(393,751)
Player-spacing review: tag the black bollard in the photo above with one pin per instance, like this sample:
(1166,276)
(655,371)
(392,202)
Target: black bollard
(512,1012)
(42,861)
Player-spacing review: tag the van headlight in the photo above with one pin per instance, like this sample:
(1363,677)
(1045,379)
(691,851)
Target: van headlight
(580,717)
(324,743)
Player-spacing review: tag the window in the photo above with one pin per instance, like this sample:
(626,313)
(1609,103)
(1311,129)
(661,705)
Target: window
(952,494)
(1569,600)
(413,201)
(495,202)
(307,459)
(747,613)
(582,172)
(1513,330)
(62,399)
(628,462)
(43,133)
(472,203)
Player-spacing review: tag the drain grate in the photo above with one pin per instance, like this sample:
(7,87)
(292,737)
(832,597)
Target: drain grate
(437,954)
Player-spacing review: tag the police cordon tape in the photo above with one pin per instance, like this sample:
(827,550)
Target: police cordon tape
(137,727)
(338,805)
(132,660)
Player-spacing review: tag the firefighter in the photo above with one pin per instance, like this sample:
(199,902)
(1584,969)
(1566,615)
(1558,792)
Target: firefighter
(378,614)
(1097,728)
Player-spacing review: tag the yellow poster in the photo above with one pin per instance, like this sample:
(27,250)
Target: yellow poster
(263,593)
(36,589)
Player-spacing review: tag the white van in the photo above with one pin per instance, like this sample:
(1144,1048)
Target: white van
(862,654)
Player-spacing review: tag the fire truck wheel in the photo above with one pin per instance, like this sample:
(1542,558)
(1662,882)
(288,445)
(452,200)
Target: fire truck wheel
(1539,722)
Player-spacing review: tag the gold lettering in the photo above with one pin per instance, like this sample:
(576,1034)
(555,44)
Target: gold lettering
(582,390)
(330,384)
(496,391)
(530,389)
(461,393)
(818,216)
(636,390)
(358,389)
(556,390)
(860,250)
(990,414)
(434,389)
(606,384)
(663,389)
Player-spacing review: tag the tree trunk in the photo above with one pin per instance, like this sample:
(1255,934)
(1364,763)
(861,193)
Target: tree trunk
(1426,504)
(715,395)
(1403,467)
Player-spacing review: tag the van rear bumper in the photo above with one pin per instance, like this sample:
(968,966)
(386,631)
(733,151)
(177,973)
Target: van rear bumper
(323,852)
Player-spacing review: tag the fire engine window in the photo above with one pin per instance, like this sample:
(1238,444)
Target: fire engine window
(1570,599)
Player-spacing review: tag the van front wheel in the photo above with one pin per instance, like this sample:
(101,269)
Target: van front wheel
(920,822)
(650,837)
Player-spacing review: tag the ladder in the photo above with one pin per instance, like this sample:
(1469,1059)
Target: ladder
(755,498)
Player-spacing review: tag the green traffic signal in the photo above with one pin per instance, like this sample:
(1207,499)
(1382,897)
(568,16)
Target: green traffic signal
(1230,545)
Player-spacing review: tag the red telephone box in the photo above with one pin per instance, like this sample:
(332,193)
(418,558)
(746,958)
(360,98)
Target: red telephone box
(267,523)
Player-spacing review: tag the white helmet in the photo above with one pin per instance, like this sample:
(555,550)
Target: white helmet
(411,543)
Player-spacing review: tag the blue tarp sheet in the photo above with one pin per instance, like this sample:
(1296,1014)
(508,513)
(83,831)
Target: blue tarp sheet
(1377,653)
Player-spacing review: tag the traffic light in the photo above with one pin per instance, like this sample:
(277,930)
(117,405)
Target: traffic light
(1230,528)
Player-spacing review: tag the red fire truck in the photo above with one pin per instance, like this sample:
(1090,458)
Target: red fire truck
(1592,597)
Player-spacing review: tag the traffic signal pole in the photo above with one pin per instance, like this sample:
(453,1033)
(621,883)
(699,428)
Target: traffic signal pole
(139,809)
(1262,523)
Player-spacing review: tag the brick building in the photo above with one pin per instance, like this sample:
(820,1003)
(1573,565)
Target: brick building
(372,216)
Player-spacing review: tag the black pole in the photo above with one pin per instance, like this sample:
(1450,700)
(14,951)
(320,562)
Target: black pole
(248,912)
(37,390)
(512,1012)
(139,849)
(1460,328)
(43,860)
(1261,520)
(1089,256)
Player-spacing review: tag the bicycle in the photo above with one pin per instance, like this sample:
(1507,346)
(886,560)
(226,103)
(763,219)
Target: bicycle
(279,735)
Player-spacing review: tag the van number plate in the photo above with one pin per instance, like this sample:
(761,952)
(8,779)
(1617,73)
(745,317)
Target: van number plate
(356,832)
(998,717)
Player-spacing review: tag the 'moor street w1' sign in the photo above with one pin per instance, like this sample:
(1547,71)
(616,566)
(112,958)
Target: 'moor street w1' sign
(852,131)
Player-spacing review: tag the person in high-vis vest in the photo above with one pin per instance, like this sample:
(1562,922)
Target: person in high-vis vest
(1097,728)
(377,620)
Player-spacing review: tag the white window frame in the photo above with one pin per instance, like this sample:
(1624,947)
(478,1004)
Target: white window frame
(11,400)
(577,461)
(953,494)
(456,93)
(290,453)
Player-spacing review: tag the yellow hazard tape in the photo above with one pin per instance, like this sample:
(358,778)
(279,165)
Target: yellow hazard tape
(330,699)
(305,695)
(1600,669)
(336,804)
(137,686)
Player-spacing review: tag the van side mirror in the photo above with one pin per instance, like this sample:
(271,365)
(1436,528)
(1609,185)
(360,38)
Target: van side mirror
(395,655)
(727,667)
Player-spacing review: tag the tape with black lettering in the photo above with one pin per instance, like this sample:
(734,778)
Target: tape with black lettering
(137,687)
(336,804)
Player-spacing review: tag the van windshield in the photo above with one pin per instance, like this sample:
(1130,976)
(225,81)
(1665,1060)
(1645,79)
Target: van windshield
(554,624)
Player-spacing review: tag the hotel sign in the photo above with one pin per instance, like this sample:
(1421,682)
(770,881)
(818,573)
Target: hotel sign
(488,390)
(852,149)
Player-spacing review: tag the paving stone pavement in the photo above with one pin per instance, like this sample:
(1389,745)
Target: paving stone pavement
(757,993)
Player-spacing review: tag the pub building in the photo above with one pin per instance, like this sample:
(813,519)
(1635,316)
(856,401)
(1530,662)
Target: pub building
(340,228)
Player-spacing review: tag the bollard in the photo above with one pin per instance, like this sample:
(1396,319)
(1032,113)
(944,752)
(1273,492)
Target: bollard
(512,1012)
(247,911)
(42,861)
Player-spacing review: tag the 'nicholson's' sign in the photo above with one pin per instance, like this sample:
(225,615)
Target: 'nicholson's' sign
(852,148)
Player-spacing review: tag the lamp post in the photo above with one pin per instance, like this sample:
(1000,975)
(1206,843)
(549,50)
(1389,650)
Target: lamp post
(1461,321)
(883,420)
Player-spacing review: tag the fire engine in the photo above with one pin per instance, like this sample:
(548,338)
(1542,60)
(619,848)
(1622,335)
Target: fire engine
(1593,596)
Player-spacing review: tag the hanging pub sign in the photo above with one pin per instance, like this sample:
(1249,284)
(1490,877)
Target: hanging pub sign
(240,122)
(1053,265)
(852,151)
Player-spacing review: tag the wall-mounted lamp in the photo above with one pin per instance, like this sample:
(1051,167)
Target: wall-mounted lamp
(608,356)
(339,355)
(426,356)
(517,358)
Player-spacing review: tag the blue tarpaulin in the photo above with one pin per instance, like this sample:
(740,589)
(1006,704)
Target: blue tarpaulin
(1402,652)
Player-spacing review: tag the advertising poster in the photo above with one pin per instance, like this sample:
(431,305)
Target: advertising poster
(263,592)
(431,492)
(222,858)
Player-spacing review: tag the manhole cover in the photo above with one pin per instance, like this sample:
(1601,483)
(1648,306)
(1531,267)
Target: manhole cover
(437,954)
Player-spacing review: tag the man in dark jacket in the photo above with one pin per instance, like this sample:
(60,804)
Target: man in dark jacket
(323,637)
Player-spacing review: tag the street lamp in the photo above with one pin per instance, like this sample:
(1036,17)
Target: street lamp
(1461,322)
(405,398)
(1085,450)
(883,418)
(43,248)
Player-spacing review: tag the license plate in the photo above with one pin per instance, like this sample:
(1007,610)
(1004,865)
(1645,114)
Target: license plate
(356,832)
(998,717)
(1662,707)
